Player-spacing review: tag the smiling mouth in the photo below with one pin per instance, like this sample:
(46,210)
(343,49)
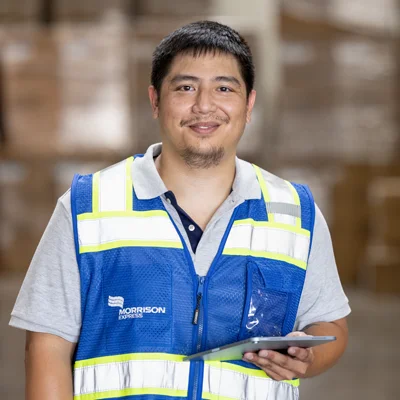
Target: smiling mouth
(204,127)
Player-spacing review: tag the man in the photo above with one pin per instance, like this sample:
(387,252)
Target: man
(183,249)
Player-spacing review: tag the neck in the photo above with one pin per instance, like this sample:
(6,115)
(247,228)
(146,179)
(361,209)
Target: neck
(198,191)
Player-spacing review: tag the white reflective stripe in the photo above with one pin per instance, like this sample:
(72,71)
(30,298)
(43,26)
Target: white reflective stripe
(285,219)
(278,189)
(268,239)
(219,382)
(112,188)
(93,232)
(131,374)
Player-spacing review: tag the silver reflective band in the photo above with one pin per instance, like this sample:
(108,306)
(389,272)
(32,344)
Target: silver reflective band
(131,377)
(109,232)
(268,239)
(283,208)
(222,382)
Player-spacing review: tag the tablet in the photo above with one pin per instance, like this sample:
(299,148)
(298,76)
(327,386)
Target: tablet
(235,351)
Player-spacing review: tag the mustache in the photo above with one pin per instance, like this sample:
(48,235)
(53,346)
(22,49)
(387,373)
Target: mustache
(196,120)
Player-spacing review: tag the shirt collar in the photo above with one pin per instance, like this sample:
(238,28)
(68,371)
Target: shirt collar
(148,183)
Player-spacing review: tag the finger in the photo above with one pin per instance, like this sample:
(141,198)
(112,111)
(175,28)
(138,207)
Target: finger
(298,333)
(285,362)
(273,371)
(301,354)
(277,364)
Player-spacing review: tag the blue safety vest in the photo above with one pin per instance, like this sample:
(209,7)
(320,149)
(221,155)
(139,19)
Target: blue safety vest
(144,308)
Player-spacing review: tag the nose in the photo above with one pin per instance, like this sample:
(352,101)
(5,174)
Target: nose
(204,102)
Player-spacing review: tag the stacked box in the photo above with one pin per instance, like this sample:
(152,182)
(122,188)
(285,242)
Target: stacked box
(382,261)
(384,199)
(66,95)
(161,8)
(76,10)
(356,203)
(26,203)
(19,10)
(350,220)
(31,90)
(66,90)
(94,84)
(381,270)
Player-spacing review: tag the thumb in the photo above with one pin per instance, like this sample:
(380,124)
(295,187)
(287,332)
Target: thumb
(298,333)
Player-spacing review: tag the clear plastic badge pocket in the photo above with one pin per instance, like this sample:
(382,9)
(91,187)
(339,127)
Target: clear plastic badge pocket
(265,308)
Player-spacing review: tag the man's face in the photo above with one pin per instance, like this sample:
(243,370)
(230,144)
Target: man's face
(202,108)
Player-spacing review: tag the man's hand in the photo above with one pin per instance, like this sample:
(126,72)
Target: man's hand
(304,363)
(283,367)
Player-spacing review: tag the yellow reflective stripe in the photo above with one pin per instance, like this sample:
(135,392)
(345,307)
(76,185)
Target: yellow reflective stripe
(277,225)
(237,368)
(210,396)
(296,199)
(129,184)
(247,371)
(130,243)
(265,254)
(110,214)
(95,192)
(264,189)
(128,357)
(131,392)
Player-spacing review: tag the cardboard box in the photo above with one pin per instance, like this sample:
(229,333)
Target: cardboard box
(381,269)
(354,224)
(26,203)
(19,10)
(77,10)
(152,8)
(384,200)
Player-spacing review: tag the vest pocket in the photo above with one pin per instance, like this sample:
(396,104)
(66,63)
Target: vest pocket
(265,307)
(138,308)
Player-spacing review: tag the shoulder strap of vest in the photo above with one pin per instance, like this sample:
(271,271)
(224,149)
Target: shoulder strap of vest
(286,203)
(112,188)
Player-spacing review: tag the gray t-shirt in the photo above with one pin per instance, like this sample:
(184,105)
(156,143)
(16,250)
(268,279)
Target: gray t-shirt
(49,299)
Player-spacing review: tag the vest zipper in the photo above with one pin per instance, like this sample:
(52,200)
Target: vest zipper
(199,317)
(200,313)
(198,320)
(198,305)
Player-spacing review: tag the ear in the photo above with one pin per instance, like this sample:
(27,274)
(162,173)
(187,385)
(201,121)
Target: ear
(153,96)
(250,104)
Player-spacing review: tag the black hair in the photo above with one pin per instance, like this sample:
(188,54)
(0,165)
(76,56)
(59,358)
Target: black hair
(200,38)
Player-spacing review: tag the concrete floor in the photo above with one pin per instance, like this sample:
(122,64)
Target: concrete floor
(367,371)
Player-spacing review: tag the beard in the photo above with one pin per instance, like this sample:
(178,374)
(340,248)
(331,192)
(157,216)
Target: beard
(202,159)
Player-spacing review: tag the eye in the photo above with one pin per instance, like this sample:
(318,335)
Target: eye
(224,89)
(185,88)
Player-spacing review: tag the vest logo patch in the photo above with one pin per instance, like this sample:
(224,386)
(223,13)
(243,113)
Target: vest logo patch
(116,301)
(132,312)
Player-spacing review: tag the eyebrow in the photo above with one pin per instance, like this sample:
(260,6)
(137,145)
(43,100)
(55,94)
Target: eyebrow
(180,78)
(228,79)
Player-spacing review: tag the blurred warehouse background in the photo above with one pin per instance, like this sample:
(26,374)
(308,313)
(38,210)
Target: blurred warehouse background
(73,98)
